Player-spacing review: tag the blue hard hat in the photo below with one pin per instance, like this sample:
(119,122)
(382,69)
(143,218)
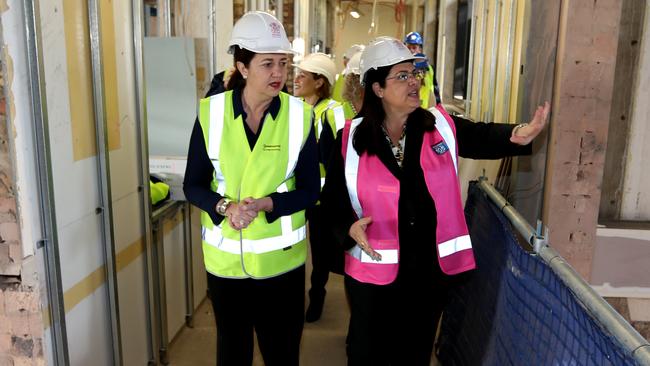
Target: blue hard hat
(421,61)
(413,38)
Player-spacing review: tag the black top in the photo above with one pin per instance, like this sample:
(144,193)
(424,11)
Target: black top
(199,171)
(417,216)
(325,140)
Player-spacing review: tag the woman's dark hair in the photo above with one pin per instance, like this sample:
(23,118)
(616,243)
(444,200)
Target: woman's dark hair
(368,136)
(236,79)
(325,90)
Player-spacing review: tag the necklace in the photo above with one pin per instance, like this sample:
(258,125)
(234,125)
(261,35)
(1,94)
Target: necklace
(398,149)
(354,110)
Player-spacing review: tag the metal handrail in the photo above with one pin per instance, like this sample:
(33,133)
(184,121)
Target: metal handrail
(609,318)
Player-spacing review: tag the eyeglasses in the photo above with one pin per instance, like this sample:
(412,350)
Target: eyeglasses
(404,75)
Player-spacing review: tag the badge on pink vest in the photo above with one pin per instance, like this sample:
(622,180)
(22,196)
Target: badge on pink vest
(374,192)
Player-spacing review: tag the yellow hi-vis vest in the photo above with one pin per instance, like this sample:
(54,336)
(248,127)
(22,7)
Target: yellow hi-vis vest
(339,85)
(426,90)
(348,110)
(262,249)
(334,114)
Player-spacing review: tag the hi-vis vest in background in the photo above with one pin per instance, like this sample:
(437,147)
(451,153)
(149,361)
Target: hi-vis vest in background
(427,88)
(337,89)
(263,249)
(374,192)
(334,115)
(348,110)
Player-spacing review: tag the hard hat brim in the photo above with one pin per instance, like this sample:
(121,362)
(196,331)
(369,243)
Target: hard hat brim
(231,50)
(314,71)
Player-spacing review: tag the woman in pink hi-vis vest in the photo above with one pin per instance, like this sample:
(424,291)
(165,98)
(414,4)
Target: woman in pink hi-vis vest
(392,198)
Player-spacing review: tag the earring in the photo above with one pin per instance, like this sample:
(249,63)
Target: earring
(245,76)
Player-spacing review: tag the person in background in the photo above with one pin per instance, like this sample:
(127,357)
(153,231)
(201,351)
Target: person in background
(314,77)
(252,168)
(392,199)
(337,93)
(429,95)
(353,90)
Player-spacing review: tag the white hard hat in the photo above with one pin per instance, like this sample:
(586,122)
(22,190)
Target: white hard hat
(353,65)
(319,63)
(352,50)
(384,51)
(259,32)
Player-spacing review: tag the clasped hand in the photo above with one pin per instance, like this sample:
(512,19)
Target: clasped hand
(241,214)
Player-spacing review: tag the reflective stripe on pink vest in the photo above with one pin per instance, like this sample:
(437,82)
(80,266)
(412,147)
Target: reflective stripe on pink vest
(374,192)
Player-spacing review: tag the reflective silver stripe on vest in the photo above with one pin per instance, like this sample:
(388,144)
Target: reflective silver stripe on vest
(296,133)
(352,169)
(215,238)
(322,183)
(388,256)
(339,117)
(442,125)
(339,114)
(452,246)
(217,104)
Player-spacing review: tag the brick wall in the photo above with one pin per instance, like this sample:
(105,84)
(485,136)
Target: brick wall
(21,327)
(21,321)
(10,250)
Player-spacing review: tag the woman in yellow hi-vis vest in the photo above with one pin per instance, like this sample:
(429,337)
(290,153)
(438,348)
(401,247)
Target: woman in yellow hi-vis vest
(312,82)
(252,168)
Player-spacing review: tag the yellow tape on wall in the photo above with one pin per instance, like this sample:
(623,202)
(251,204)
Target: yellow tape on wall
(110,74)
(75,15)
(89,284)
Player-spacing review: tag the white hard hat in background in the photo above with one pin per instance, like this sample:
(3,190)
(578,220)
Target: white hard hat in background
(352,50)
(259,32)
(353,65)
(319,63)
(383,51)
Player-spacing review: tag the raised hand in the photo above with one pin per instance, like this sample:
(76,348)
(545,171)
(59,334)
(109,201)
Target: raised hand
(525,133)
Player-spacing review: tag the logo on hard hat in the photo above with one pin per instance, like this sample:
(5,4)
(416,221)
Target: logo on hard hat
(276,30)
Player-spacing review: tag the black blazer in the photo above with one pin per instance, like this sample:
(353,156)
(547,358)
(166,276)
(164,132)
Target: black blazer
(417,216)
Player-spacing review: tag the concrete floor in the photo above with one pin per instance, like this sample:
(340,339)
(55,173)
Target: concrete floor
(323,342)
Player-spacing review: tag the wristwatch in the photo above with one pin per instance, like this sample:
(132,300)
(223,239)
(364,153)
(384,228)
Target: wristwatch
(223,206)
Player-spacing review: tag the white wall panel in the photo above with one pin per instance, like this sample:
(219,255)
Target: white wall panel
(124,162)
(88,331)
(127,209)
(133,313)
(80,249)
(175,280)
(76,197)
(75,183)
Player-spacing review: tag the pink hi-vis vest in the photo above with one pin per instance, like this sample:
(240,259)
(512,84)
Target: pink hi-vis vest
(374,192)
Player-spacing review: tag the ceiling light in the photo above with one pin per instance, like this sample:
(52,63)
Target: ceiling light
(355,14)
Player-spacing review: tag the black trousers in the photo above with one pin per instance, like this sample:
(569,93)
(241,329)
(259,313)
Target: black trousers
(273,307)
(392,324)
(321,254)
